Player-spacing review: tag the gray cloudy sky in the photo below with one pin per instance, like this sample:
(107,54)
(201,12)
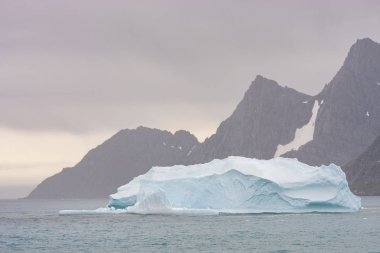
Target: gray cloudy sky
(74,72)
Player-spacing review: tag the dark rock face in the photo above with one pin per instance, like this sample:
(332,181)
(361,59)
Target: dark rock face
(267,116)
(348,121)
(125,155)
(363,173)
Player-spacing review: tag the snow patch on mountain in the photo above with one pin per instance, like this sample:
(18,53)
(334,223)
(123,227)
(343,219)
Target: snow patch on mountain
(191,150)
(302,135)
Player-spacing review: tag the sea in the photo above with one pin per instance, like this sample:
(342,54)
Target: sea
(35,226)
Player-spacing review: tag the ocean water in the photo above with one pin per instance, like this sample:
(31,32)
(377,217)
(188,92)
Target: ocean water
(35,226)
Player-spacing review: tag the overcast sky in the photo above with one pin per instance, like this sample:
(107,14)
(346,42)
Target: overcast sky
(72,73)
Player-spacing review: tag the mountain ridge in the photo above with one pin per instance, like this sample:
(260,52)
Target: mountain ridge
(260,118)
(340,123)
(125,155)
(349,120)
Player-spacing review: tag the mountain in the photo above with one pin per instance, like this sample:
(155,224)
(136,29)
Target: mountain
(363,173)
(125,155)
(348,121)
(267,116)
(335,126)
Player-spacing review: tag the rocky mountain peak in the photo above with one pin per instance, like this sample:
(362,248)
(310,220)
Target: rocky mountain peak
(261,83)
(268,115)
(349,119)
(364,58)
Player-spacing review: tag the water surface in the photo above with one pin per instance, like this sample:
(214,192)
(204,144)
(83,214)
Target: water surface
(35,226)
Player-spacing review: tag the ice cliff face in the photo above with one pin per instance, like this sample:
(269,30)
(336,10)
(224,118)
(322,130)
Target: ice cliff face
(238,185)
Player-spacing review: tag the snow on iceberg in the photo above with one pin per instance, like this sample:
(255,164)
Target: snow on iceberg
(238,185)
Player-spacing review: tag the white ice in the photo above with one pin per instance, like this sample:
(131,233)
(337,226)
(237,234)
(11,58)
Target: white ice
(302,135)
(237,185)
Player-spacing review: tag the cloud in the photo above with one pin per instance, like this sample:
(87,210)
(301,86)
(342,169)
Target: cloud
(79,66)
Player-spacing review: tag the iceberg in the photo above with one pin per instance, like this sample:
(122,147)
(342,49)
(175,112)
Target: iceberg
(237,185)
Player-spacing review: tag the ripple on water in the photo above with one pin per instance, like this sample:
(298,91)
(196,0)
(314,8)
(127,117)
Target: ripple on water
(45,231)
